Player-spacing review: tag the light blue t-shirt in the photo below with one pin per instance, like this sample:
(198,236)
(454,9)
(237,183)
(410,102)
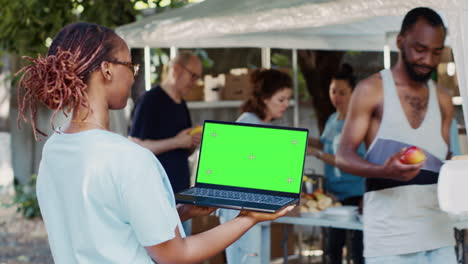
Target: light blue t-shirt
(103,199)
(454,139)
(250,118)
(339,183)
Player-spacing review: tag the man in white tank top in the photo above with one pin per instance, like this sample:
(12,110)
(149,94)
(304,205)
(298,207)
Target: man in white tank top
(389,111)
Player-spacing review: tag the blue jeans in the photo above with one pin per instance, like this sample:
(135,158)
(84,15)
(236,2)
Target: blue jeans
(445,255)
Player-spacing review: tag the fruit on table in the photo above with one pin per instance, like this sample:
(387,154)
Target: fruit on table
(311,203)
(316,201)
(323,201)
(413,155)
(197,129)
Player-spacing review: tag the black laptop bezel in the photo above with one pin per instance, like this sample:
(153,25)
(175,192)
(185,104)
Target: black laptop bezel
(245,189)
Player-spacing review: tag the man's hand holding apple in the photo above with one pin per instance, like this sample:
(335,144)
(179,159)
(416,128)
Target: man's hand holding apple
(395,169)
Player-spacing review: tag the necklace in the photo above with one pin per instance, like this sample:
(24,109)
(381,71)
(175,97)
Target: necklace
(89,122)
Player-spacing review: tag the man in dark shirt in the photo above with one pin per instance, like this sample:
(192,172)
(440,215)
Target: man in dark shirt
(161,121)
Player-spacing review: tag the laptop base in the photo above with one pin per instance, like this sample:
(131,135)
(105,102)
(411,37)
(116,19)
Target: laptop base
(231,204)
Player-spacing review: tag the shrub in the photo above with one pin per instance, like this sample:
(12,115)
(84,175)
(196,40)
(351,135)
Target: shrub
(25,199)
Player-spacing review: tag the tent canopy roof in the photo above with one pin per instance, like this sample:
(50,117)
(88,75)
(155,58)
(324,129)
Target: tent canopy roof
(302,24)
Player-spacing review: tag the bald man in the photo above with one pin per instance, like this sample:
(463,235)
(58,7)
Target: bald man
(162,123)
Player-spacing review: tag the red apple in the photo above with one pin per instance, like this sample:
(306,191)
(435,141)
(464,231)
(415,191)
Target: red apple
(413,155)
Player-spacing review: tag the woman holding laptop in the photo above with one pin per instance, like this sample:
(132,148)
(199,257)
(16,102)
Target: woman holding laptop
(272,90)
(103,198)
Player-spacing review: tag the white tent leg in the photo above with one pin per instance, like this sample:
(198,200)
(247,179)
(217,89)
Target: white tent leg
(147,61)
(386,56)
(173,52)
(295,88)
(266,58)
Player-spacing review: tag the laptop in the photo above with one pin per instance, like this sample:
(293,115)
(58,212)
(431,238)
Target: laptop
(248,167)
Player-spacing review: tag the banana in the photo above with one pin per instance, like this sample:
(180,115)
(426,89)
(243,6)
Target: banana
(196,130)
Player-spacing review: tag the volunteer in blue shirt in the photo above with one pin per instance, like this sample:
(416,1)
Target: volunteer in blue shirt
(346,187)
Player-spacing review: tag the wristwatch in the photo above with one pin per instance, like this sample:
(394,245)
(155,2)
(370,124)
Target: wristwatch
(319,154)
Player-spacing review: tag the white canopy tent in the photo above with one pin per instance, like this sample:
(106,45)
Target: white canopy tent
(294,24)
(366,25)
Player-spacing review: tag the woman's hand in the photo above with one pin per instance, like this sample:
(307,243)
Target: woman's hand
(260,217)
(188,211)
(196,210)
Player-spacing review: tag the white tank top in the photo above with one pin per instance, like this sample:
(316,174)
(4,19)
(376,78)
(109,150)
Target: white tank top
(404,217)
(395,125)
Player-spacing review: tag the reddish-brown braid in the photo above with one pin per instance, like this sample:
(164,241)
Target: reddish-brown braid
(52,81)
(59,80)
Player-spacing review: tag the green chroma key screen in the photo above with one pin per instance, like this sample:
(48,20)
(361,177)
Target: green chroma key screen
(252,157)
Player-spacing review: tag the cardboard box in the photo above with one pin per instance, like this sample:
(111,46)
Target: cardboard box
(446,55)
(446,81)
(277,239)
(195,93)
(238,85)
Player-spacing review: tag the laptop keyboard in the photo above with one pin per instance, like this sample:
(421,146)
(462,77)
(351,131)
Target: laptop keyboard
(238,196)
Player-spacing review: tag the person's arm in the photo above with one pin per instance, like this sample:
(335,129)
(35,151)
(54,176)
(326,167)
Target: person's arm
(445,103)
(199,247)
(314,143)
(315,146)
(364,101)
(322,155)
(181,140)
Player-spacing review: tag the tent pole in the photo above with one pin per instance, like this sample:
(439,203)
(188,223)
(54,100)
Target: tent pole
(266,58)
(386,56)
(147,61)
(295,88)
(173,52)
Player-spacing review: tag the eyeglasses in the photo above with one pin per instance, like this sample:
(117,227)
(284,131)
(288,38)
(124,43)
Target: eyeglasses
(132,66)
(193,75)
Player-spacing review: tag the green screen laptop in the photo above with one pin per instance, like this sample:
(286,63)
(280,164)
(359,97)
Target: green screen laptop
(248,167)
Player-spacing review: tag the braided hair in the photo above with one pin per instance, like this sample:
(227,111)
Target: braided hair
(59,80)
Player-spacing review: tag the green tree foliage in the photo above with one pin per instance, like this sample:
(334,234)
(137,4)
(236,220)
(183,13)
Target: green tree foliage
(25,199)
(26,26)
